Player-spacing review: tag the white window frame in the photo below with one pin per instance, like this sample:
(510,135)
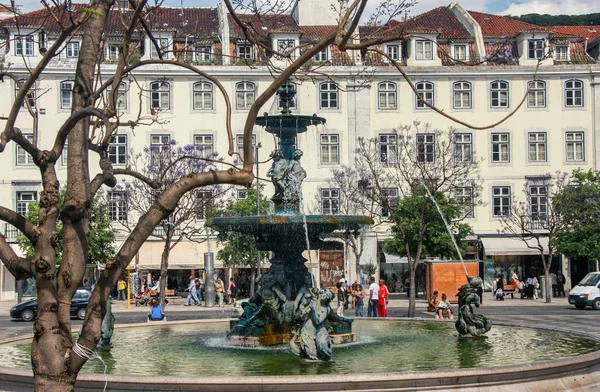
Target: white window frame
(24,45)
(204,144)
(118,206)
(328,95)
(462,95)
(389,200)
(425,143)
(387,145)
(117,149)
(500,147)
(244,51)
(330,149)
(536,97)
(22,157)
(330,201)
(427,91)
(465,197)
(538,203)
(112,52)
(160,147)
(457,55)
(463,147)
(72,49)
(501,201)
(24,200)
(394,51)
(31,96)
(499,94)
(245,95)
(537,146)
(203,96)
(562,53)
(239,145)
(159,90)
(121,96)
(66,94)
(387,95)
(574,93)
(575,146)
(535,49)
(205,199)
(203,53)
(163,44)
(322,56)
(285,45)
(423,49)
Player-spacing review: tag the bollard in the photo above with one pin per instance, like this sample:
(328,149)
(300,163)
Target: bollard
(209,282)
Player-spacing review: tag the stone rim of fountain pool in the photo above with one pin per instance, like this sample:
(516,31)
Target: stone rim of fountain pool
(581,373)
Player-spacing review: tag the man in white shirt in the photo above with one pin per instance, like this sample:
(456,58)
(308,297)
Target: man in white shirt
(373,299)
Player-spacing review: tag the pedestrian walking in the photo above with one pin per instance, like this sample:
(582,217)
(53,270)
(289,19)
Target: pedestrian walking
(121,286)
(373,299)
(359,298)
(192,293)
(383,299)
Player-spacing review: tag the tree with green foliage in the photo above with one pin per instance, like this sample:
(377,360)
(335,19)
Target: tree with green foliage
(578,204)
(101,236)
(559,20)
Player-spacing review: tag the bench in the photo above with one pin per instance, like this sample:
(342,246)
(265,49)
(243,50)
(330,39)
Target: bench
(510,289)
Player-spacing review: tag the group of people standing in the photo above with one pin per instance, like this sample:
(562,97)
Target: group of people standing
(195,291)
(378,298)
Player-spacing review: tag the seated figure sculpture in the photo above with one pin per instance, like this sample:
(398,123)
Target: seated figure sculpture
(315,343)
(468,322)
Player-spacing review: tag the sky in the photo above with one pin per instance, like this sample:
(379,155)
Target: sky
(499,7)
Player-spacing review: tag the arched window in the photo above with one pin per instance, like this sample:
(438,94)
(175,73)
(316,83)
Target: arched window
(161,95)
(203,96)
(536,98)
(462,95)
(66,94)
(328,93)
(121,96)
(573,93)
(245,95)
(499,94)
(387,96)
(426,91)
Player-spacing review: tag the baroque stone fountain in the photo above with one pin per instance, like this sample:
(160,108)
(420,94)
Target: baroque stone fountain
(287,307)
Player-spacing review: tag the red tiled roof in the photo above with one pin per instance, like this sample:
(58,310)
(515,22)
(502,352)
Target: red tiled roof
(316,32)
(590,32)
(440,20)
(263,25)
(494,26)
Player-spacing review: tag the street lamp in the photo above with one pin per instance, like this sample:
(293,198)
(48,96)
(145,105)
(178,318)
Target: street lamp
(258,263)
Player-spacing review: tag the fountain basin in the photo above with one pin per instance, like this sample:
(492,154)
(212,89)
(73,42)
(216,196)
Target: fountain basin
(419,355)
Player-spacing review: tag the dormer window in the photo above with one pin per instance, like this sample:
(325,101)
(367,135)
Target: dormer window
(286,45)
(112,52)
(393,51)
(561,53)
(24,45)
(244,51)
(73,49)
(424,50)
(163,43)
(322,56)
(202,53)
(535,49)
(460,52)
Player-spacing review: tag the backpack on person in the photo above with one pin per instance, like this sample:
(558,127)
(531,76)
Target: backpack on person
(339,284)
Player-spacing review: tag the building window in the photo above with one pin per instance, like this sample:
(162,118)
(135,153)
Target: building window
(536,97)
(24,200)
(387,96)
(117,202)
(388,148)
(425,90)
(393,51)
(113,52)
(121,103)
(500,147)
(538,198)
(29,97)
(203,96)
(460,52)
(389,200)
(204,145)
(23,157)
(537,146)
(64,155)
(322,56)
(66,94)
(286,45)
(205,202)
(462,95)
(501,201)
(425,147)
(561,53)
(574,93)
(535,49)
(163,43)
(73,49)
(499,94)
(464,197)
(244,92)
(117,149)
(160,147)
(575,146)
(239,142)
(161,95)
(330,201)
(463,147)
(330,147)
(202,53)
(24,45)
(329,95)
(424,50)
(244,51)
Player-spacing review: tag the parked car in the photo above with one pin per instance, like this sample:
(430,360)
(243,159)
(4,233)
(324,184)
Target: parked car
(27,311)
(587,292)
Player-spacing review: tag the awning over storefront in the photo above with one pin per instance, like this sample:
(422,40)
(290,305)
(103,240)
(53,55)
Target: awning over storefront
(395,259)
(512,246)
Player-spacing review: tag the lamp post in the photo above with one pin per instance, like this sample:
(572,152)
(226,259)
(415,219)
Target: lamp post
(258,263)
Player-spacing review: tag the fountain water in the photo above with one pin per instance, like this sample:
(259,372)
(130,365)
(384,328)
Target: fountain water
(286,306)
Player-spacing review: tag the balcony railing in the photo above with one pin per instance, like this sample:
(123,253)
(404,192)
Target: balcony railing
(10,232)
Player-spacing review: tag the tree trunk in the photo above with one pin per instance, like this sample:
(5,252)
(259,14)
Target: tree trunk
(164,265)
(54,385)
(547,262)
(412,292)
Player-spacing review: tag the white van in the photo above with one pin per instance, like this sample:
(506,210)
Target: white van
(587,292)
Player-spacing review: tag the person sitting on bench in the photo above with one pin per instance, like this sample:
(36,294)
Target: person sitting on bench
(444,309)
(156,314)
